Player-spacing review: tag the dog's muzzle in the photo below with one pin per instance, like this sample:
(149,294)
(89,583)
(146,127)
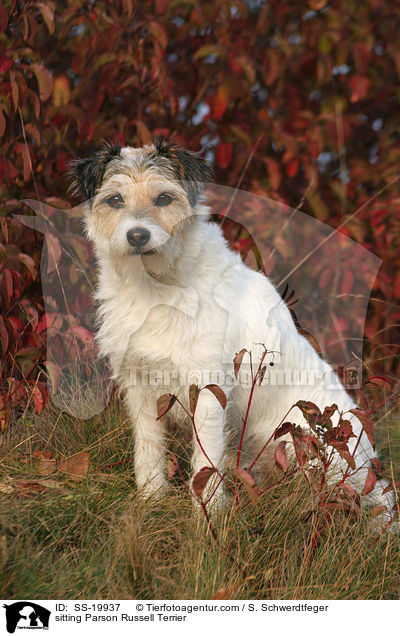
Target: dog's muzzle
(138,236)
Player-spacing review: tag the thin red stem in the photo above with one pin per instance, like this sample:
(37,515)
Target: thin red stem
(191,415)
(270,438)
(253,385)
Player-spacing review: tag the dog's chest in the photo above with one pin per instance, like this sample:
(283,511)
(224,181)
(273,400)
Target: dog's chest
(183,328)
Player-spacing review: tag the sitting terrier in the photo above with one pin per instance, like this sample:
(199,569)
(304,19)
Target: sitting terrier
(174,299)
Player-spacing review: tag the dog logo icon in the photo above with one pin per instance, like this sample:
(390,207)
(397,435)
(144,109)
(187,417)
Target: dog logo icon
(26,615)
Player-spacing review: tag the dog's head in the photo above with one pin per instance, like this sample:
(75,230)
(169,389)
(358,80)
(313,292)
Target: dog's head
(138,198)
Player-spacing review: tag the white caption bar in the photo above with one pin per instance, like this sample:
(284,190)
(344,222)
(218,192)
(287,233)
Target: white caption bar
(21,617)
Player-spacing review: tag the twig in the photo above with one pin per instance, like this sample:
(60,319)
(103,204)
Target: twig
(334,231)
(191,415)
(239,182)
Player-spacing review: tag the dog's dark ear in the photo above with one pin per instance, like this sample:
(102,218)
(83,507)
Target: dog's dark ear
(188,166)
(87,174)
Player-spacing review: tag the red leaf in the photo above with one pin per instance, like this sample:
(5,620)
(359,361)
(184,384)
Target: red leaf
(377,510)
(360,85)
(349,489)
(48,320)
(4,339)
(8,284)
(200,480)
(287,427)
(29,488)
(14,89)
(237,361)
(44,80)
(281,457)
(29,264)
(345,430)
(219,103)
(391,486)
(83,335)
(164,404)
(328,412)
(172,465)
(274,172)
(5,63)
(4,414)
(273,65)
(76,466)
(311,413)
(18,392)
(218,392)
(301,455)
(343,451)
(262,375)
(380,380)
(223,154)
(249,483)
(292,167)
(53,252)
(54,375)
(311,444)
(243,64)
(243,245)
(3,19)
(39,398)
(45,464)
(377,466)
(194,393)
(367,424)
(162,6)
(370,482)
(39,454)
(47,15)
(159,33)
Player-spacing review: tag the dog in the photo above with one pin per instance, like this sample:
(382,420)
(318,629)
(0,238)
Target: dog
(172,297)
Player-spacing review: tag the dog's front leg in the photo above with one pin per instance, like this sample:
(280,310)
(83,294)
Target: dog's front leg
(208,443)
(149,443)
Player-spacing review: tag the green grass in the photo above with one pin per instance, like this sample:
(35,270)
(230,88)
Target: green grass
(95,538)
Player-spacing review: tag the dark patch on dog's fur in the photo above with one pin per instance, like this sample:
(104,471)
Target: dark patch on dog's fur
(187,166)
(87,174)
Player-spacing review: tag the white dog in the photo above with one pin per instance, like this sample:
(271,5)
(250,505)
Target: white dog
(175,300)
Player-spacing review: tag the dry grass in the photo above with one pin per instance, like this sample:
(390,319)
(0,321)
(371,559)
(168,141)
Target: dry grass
(95,538)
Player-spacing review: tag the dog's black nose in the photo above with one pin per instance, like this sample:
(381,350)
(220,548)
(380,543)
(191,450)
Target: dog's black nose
(138,236)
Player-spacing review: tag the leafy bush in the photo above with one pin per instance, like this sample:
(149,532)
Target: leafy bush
(297,101)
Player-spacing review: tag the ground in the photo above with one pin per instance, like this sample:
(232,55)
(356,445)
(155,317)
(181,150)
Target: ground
(90,536)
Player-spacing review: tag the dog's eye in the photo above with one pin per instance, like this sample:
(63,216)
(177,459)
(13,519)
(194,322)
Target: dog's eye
(163,199)
(116,201)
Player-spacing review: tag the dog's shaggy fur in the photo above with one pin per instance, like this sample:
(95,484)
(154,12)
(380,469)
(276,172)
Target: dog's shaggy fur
(174,298)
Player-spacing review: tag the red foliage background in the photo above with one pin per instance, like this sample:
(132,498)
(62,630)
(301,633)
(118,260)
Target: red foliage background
(297,100)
